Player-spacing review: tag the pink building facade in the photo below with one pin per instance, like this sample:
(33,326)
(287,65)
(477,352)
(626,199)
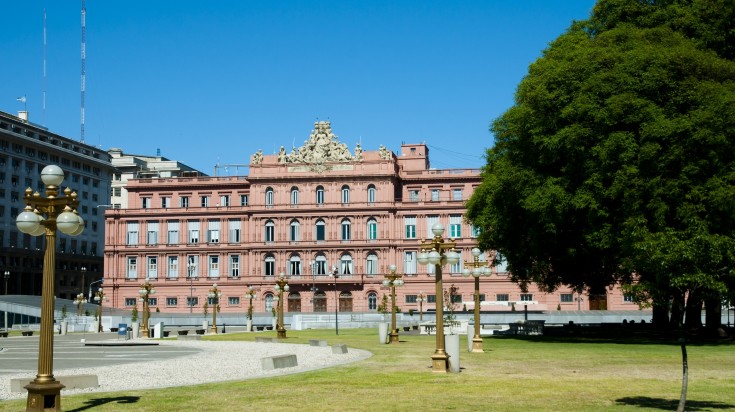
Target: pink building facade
(317,211)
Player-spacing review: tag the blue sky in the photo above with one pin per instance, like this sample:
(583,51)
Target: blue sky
(211,82)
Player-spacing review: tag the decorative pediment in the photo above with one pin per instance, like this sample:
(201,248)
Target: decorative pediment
(322,147)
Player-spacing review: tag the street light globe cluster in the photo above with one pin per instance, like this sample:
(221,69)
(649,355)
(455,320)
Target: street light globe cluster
(31,220)
(477,271)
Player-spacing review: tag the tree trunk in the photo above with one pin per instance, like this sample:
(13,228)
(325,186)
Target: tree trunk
(713,314)
(693,317)
(684,360)
(677,309)
(660,316)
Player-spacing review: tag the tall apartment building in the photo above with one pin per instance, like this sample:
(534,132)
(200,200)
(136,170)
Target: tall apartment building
(25,149)
(132,166)
(311,213)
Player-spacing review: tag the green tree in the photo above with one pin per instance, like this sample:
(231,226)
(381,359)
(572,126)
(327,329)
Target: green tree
(617,161)
(134,313)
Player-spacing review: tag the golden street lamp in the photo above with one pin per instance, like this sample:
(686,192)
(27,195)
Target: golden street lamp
(214,295)
(477,268)
(145,291)
(99,297)
(44,215)
(421,299)
(250,295)
(392,280)
(438,252)
(281,286)
(79,301)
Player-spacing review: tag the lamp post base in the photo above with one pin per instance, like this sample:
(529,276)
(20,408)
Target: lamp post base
(44,396)
(281,333)
(439,362)
(213,329)
(144,332)
(394,336)
(477,345)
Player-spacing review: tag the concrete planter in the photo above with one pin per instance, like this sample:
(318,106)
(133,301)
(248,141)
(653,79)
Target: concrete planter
(451,346)
(136,330)
(383,333)
(249,326)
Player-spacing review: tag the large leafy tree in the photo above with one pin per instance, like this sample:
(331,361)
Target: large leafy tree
(617,161)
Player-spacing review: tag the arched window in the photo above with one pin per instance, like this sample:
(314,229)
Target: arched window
(371,193)
(372,229)
(268,302)
(294,302)
(320,265)
(321,230)
(345,194)
(269,265)
(345,265)
(294,266)
(346,229)
(371,264)
(270,231)
(294,196)
(295,233)
(319,195)
(372,301)
(269,196)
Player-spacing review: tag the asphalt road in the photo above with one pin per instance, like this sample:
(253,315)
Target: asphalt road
(20,354)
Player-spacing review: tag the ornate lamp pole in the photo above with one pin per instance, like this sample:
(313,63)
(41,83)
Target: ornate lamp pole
(420,299)
(478,268)
(79,301)
(335,274)
(191,267)
(43,215)
(392,280)
(145,291)
(437,252)
(281,286)
(84,272)
(214,294)
(250,295)
(99,297)
(7,276)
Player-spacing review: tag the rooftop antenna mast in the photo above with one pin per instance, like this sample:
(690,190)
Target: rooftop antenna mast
(84,62)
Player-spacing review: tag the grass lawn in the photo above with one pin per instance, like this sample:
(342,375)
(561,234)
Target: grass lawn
(514,374)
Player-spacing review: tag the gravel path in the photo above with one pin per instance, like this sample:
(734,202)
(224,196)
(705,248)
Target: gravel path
(217,361)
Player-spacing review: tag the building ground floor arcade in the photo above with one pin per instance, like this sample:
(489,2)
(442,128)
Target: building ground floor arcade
(352,293)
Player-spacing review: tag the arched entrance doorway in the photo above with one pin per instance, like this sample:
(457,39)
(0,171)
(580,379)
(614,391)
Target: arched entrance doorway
(320,302)
(294,302)
(345,302)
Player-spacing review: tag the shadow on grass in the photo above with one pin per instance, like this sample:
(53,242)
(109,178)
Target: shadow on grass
(92,403)
(671,404)
(597,335)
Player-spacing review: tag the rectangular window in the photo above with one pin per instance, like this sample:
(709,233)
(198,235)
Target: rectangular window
(193,231)
(627,298)
(320,229)
(117,191)
(213,231)
(409,263)
(270,266)
(132,235)
(430,220)
(152,233)
(173,267)
(455,226)
(183,201)
(205,201)
(214,266)
(130,301)
(456,194)
(235,266)
(234,227)
(243,200)
(474,231)
(413,195)
(224,200)
(191,301)
(173,232)
(145,202)
(502,297)
(566,298)
(152,267)
(132,272)
(526,297)
(233,300)
(411,298)
(430,298)
(193,266)
(172,301)
(434,195)
(410,224)
(165,202)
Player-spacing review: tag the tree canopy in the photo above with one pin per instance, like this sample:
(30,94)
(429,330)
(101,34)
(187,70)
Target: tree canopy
(617,161)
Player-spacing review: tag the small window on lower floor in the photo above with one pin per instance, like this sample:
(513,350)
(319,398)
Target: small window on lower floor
(130,301)
(233,300)
(502,297)
(566,297)
(172,301)
(526,297)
